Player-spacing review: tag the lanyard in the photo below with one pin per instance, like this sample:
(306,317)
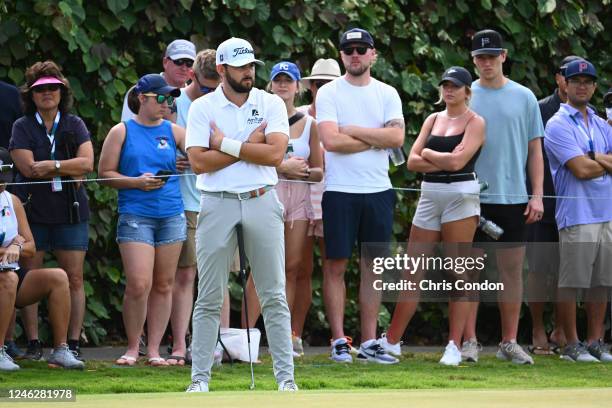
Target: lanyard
(51,135)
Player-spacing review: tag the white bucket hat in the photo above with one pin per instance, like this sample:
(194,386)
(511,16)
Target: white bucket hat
(326,69)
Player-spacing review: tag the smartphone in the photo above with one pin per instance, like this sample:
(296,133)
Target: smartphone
(164,175)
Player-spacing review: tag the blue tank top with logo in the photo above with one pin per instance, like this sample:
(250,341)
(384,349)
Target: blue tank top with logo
(149,149)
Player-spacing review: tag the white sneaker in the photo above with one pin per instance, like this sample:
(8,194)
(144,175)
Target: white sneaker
(197,386)
(287,386)
(452,355)
(6,362)
(372,352)
(340,351)
(393,349)
(469,350)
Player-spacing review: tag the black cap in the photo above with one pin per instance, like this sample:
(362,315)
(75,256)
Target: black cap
(567,60)
(580,67)
(6,166)
(487,42)
(458,76)
(156,83)
(356,35)
(608,99)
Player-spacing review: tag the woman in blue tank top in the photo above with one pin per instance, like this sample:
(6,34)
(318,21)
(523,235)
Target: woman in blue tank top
(138,155)
(445,152)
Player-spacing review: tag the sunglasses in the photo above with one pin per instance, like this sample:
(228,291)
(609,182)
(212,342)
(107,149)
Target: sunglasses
(319,84)
(169,99)
(182,61)
(578,82)
(46,88)
(360,50)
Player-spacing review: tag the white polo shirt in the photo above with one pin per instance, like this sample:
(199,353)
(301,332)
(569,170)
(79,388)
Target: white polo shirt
(236,123)
(369,106)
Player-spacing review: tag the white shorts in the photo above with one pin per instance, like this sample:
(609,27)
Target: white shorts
(446,202)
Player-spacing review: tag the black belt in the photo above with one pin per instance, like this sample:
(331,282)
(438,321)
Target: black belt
(449,178)
(258,192)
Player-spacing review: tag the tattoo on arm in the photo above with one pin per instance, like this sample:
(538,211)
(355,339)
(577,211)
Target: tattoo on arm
(395,123)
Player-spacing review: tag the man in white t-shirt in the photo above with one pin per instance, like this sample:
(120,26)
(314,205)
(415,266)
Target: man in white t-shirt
(236,136)
(178,60)
(358,118)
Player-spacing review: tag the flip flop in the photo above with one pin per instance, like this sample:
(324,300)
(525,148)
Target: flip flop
(157,362)
(180,360)
(540,351)
(125,360)
(555,348)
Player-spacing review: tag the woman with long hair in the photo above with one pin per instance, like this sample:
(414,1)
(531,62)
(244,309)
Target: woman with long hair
(139,157)
(445,152)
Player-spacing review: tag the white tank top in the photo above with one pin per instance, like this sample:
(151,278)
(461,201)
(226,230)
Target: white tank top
(8,222)
(301,145)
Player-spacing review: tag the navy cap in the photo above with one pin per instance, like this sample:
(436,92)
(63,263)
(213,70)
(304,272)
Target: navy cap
(458,76)
(608,99)
(580,67)
(487,42)
(287,68)
(156,83)
(6,166)
(356,35)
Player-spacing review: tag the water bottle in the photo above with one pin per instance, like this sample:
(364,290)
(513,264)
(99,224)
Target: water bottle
(490,228)
(397,156)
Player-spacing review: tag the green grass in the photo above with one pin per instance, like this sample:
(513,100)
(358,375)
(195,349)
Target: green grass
(420,371)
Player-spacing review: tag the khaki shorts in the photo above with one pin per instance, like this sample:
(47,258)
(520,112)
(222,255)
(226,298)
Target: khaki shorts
(586,255)
(188,253)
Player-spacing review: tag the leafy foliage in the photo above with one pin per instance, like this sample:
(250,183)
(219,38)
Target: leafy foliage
(104,45)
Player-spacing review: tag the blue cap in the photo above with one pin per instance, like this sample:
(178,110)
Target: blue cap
(287,68)
(580,67)
(156,83)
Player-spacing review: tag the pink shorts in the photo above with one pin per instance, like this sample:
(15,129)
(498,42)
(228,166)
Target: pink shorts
(295,197)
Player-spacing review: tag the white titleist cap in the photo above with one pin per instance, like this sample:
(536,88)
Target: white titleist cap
(236,52)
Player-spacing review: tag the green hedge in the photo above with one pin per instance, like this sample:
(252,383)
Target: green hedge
(104,46)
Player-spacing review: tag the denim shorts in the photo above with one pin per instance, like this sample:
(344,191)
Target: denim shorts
(152,231)
(67,237)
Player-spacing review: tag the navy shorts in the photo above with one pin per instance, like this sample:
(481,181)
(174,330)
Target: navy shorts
(510,218)
(350,217)
(67,237)
(152,231)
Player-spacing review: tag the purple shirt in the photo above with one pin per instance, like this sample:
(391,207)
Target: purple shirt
(566,138)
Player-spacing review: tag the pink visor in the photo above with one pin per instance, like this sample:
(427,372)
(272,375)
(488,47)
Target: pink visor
(46,80)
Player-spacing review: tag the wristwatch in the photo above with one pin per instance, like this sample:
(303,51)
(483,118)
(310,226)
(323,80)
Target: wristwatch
(57,165)
(591,154)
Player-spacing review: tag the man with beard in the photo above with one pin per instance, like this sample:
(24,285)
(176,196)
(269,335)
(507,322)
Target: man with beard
(359,118)
(236,136)
(579,147)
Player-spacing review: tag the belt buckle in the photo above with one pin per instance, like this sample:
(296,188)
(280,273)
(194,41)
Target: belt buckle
(243,196)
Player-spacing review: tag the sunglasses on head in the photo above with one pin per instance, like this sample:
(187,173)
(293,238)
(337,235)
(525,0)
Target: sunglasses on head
(319,84)
(169,99)
(182,61)
(361,50)
(46,88)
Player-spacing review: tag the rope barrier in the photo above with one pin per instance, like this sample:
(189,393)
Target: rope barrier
(405,189)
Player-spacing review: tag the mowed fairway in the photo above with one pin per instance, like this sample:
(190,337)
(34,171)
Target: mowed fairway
(565,398)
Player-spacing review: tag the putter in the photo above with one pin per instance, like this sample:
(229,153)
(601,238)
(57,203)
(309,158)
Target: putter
(243,280)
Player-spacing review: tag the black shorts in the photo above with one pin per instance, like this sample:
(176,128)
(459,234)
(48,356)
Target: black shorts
(350,217)
(508,217)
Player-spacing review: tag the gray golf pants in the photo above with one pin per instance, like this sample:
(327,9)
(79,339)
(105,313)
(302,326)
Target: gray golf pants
(264,244)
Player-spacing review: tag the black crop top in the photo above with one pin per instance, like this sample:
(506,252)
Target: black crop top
(446,144)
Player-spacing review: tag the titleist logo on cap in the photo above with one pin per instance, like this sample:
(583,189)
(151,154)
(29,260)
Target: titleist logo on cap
(242,50)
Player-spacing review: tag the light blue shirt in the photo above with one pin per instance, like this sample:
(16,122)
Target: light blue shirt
(512,119)
(567,138)
(189,192)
